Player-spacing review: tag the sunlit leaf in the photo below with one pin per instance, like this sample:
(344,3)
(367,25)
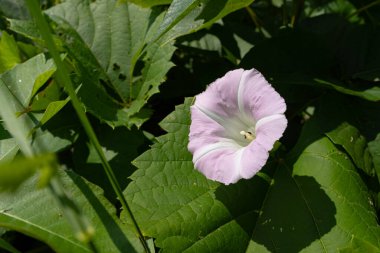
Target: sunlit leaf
(16,89)
(107,38)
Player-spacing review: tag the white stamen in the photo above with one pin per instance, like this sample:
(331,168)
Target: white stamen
(247,135)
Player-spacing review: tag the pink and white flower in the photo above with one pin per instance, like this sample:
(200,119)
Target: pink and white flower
(234,125)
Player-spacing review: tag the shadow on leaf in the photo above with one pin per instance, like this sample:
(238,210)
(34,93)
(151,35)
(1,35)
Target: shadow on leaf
(286,217)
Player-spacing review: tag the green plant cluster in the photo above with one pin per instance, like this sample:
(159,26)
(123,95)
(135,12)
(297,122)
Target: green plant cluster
(94,124)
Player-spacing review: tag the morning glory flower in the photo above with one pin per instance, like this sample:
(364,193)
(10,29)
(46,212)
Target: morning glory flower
(234,125)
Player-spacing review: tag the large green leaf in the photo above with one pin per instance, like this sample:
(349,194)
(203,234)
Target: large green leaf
(322,206)
(306,207)
(35,213)
(113,31)
(107,38)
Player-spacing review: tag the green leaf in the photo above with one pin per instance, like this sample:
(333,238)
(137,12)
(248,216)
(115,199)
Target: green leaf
(43,98)
(371,94)
(9,53)
(157,65)
(207,42)
(114,32)
(186,16)
(16,88)
(107,39)
(19,126)
(307,202)
(35,213)
(329,202)
(14,8)
(354,144)
(24,79)
(52,109)
(26,28)
(374,149)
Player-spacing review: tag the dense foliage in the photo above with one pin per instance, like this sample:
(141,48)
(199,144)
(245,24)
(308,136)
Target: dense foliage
(94,126)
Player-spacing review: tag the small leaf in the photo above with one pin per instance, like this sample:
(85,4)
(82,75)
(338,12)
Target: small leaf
(371,94)
(355,145)
(52,109)
(9,53)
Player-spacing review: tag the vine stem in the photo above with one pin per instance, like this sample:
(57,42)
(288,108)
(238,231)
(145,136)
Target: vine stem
(364,8)
(64,80)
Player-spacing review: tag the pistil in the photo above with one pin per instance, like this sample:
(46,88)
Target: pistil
(248,135)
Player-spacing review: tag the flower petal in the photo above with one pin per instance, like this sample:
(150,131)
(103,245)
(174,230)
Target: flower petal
(253,159)
(203,130)
(258,97)
(240,102)
(221,165)
(221,96)
(270,129)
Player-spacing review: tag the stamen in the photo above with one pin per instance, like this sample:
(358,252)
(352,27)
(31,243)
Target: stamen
(247,135)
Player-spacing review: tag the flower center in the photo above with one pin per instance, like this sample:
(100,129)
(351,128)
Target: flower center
(248,135)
